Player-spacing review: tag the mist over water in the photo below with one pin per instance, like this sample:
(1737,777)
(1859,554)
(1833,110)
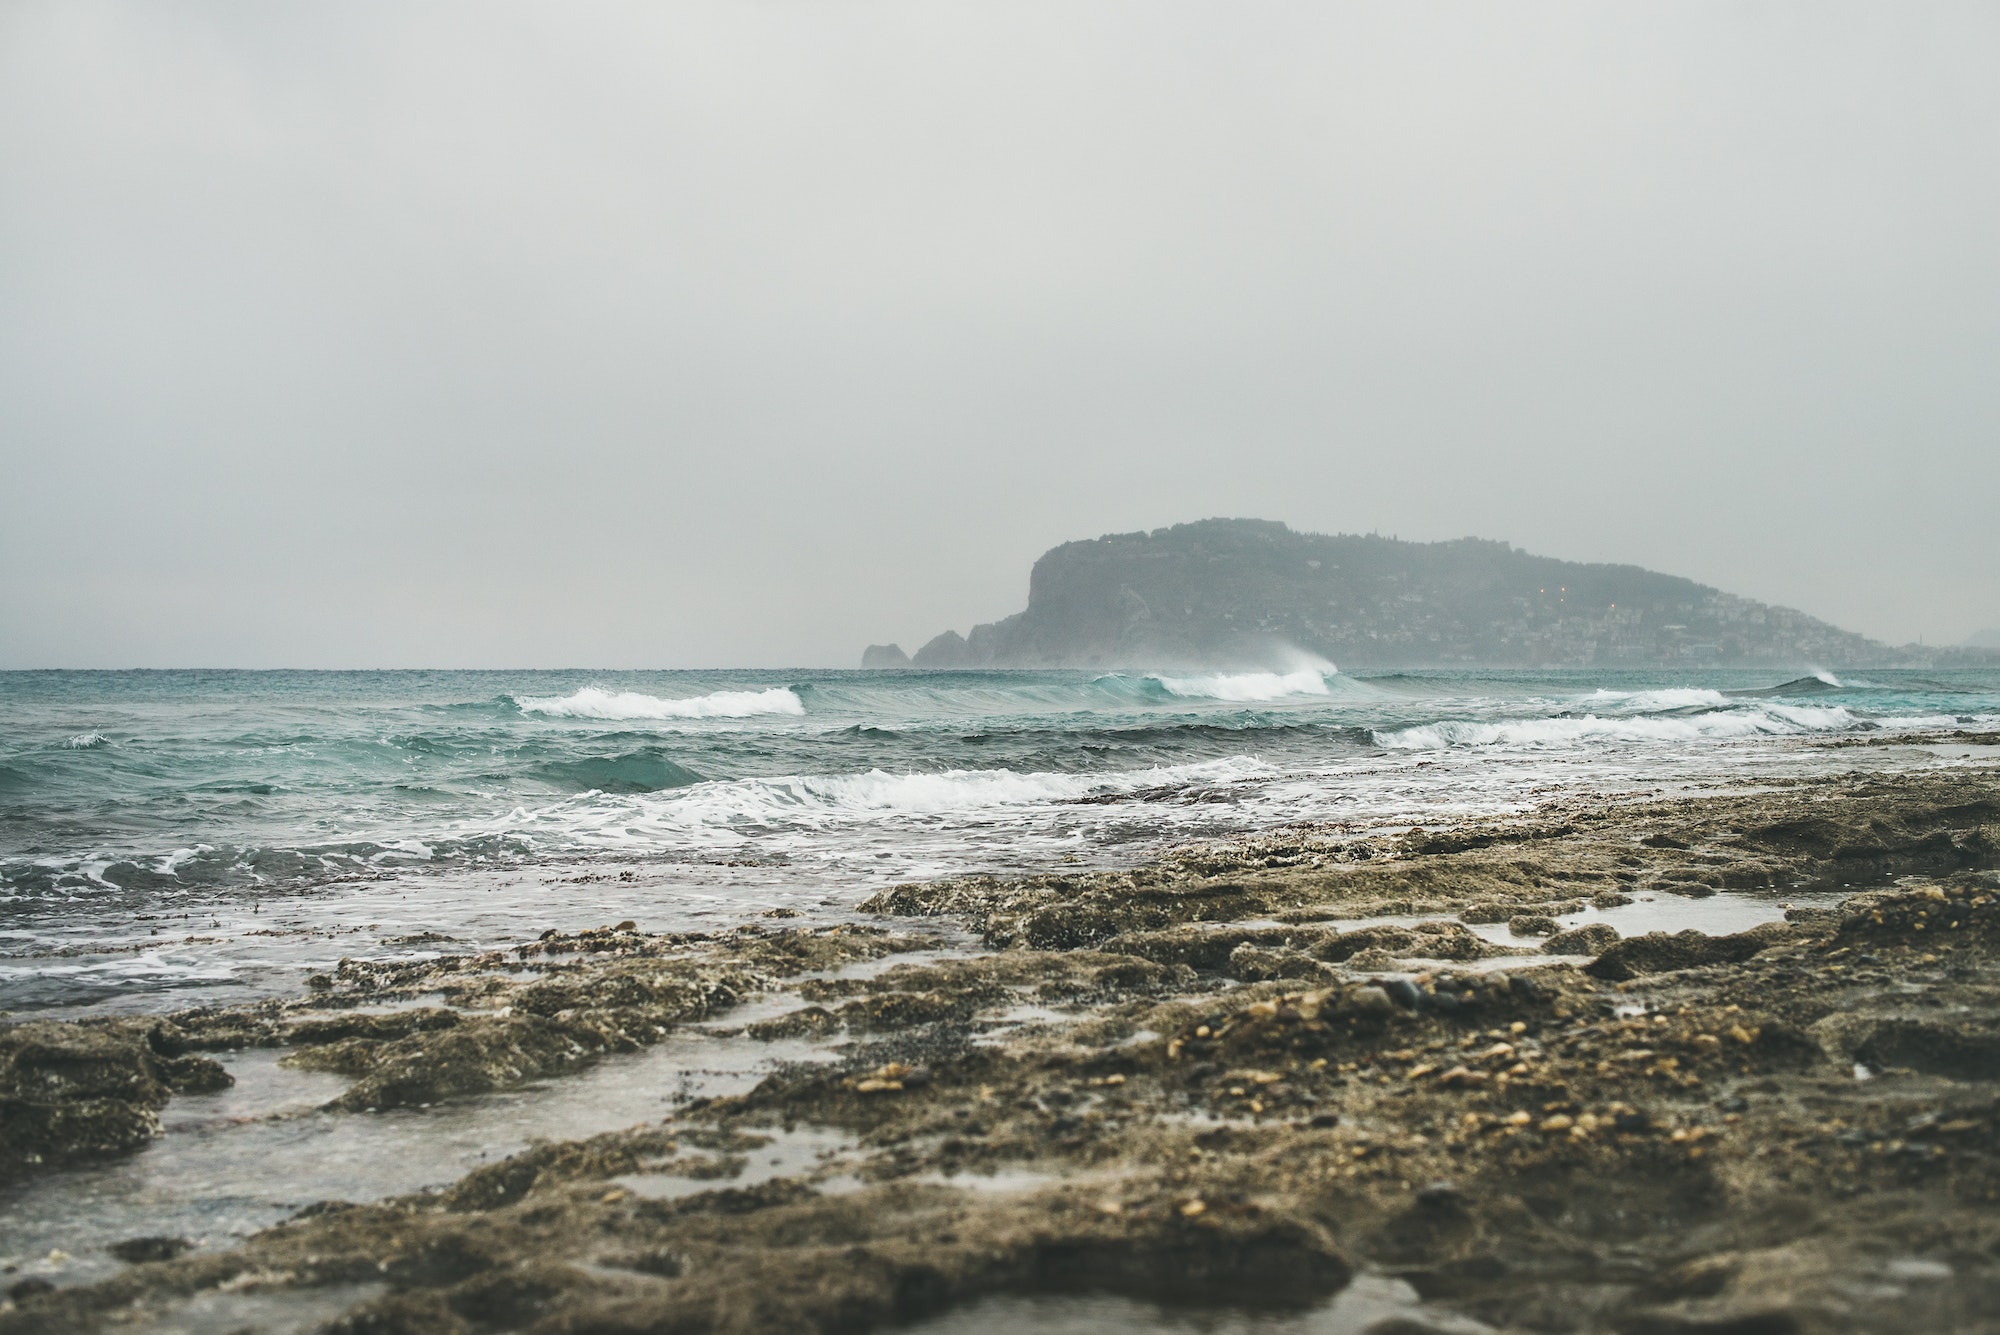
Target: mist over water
(168,837)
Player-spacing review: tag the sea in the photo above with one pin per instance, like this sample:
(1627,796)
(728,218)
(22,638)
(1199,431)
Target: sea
(178,838)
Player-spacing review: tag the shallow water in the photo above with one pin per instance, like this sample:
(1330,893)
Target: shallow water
(276,1311)
(241,1160)
(1365,1303)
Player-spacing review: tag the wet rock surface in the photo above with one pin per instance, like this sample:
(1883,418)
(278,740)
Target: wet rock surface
(1219,1079)
(79,1091)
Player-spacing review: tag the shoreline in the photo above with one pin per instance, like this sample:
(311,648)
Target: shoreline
(1197,1081)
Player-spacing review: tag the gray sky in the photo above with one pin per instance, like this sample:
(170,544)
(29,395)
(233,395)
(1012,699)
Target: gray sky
(750,332)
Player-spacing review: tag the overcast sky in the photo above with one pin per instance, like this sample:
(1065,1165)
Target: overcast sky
(748,333)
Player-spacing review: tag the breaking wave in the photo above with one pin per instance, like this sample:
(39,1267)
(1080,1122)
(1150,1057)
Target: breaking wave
(725,812)
(593,702)
(1646,702)
(1568,730)
(643,771)
(1819,683)
(1246,687)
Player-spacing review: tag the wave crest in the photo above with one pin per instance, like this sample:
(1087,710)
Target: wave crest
(724,813)
(643,771)
(594,702)
(1246,687)
(1571,730)
(1660,701)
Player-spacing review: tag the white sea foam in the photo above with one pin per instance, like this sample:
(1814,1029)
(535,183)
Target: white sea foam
(727,812)
(170,865)
(1812,718)
(1247,686)
(85,741)
(1769,720)
(1642,702)
(593,702)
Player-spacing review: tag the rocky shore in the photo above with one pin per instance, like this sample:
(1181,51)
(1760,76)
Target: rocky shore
(1242,1076)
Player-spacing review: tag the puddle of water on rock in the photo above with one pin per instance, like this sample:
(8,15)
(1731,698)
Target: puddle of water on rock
(771,1005)
(1009,1022)
(241,1160)
(1367,1302)
(1000,1181)
(271,1312)
(1955,750)
(952,945)
(1719,914)
(800,1152)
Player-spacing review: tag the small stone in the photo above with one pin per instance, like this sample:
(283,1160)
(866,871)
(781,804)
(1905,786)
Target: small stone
(135,1251)
(1404,993)
(1439,1195)
(1369,1000)
(1590,939)
(1193,1208)
(1917,1268)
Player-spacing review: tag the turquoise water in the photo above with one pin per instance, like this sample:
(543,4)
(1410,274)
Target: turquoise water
(282,819)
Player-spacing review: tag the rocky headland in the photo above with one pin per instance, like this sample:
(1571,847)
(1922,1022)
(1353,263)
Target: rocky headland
(1257,1074)
(1253,593)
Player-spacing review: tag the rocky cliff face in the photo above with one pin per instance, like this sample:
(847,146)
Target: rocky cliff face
(884,656)
(1226,592)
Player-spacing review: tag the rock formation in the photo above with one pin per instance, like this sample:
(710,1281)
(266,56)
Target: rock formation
(1245,592)
(884,656)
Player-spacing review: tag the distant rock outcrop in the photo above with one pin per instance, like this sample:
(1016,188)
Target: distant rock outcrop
(948,650)
(1246,592)
(884,656)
